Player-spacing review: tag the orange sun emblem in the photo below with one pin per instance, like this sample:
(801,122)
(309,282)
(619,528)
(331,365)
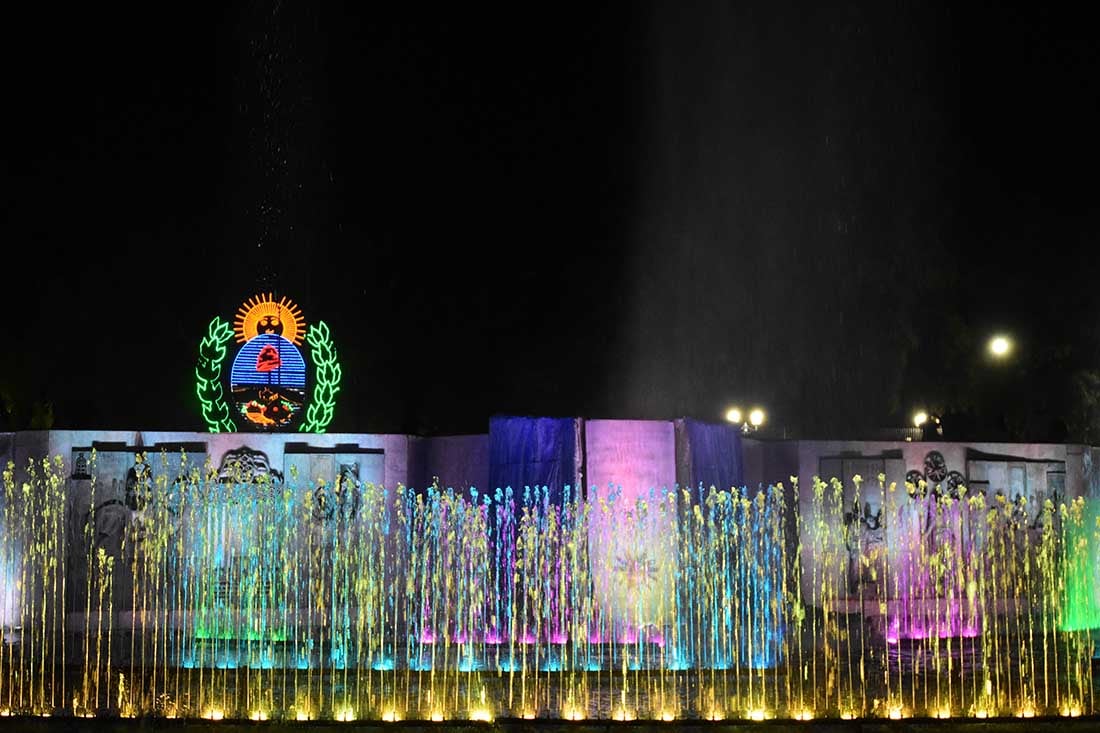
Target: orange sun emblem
(262,314)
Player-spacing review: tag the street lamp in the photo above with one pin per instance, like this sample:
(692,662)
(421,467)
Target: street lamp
(753,421)
(1000,346)
(922,418)
(757,417)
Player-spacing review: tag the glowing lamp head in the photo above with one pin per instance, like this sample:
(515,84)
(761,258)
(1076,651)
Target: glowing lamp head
(734,415)
(1000,346)
(757,417)
(920,417)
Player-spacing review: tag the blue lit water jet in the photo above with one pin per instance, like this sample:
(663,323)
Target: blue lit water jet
(264,597)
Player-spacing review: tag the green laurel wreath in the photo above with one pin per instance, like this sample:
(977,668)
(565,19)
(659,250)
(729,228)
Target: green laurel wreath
(326,380)
(208,375)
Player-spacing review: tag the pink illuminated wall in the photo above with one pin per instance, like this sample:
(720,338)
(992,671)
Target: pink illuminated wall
(632,537)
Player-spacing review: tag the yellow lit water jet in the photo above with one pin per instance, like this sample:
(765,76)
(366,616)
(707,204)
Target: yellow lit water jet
(250,597)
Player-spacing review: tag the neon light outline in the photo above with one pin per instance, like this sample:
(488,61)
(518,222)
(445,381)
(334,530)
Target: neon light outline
(212,353)
(292,372)
(326,382)
(208,374)
(264,304)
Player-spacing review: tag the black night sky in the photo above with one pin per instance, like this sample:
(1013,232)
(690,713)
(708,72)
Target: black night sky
(643,210)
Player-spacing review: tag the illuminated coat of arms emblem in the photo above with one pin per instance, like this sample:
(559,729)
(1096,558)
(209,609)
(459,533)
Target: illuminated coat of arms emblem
(270,385)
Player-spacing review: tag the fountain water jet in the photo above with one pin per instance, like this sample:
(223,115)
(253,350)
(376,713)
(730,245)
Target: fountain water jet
(251,597)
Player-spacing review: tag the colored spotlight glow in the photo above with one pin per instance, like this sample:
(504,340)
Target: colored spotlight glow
(757,714)
(757,417)
(733,415)
(391,716)
(214,714)
(481,714)
(345,715)
(258,715)
(806,714)
(920,417)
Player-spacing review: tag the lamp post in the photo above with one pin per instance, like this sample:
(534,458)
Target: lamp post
(922,418)
(756,418)
(1000,346)
(748,423)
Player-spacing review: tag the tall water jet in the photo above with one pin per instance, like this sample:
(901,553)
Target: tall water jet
(233,594)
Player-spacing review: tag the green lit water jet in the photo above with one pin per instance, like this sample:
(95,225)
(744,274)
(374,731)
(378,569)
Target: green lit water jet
(240,597)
